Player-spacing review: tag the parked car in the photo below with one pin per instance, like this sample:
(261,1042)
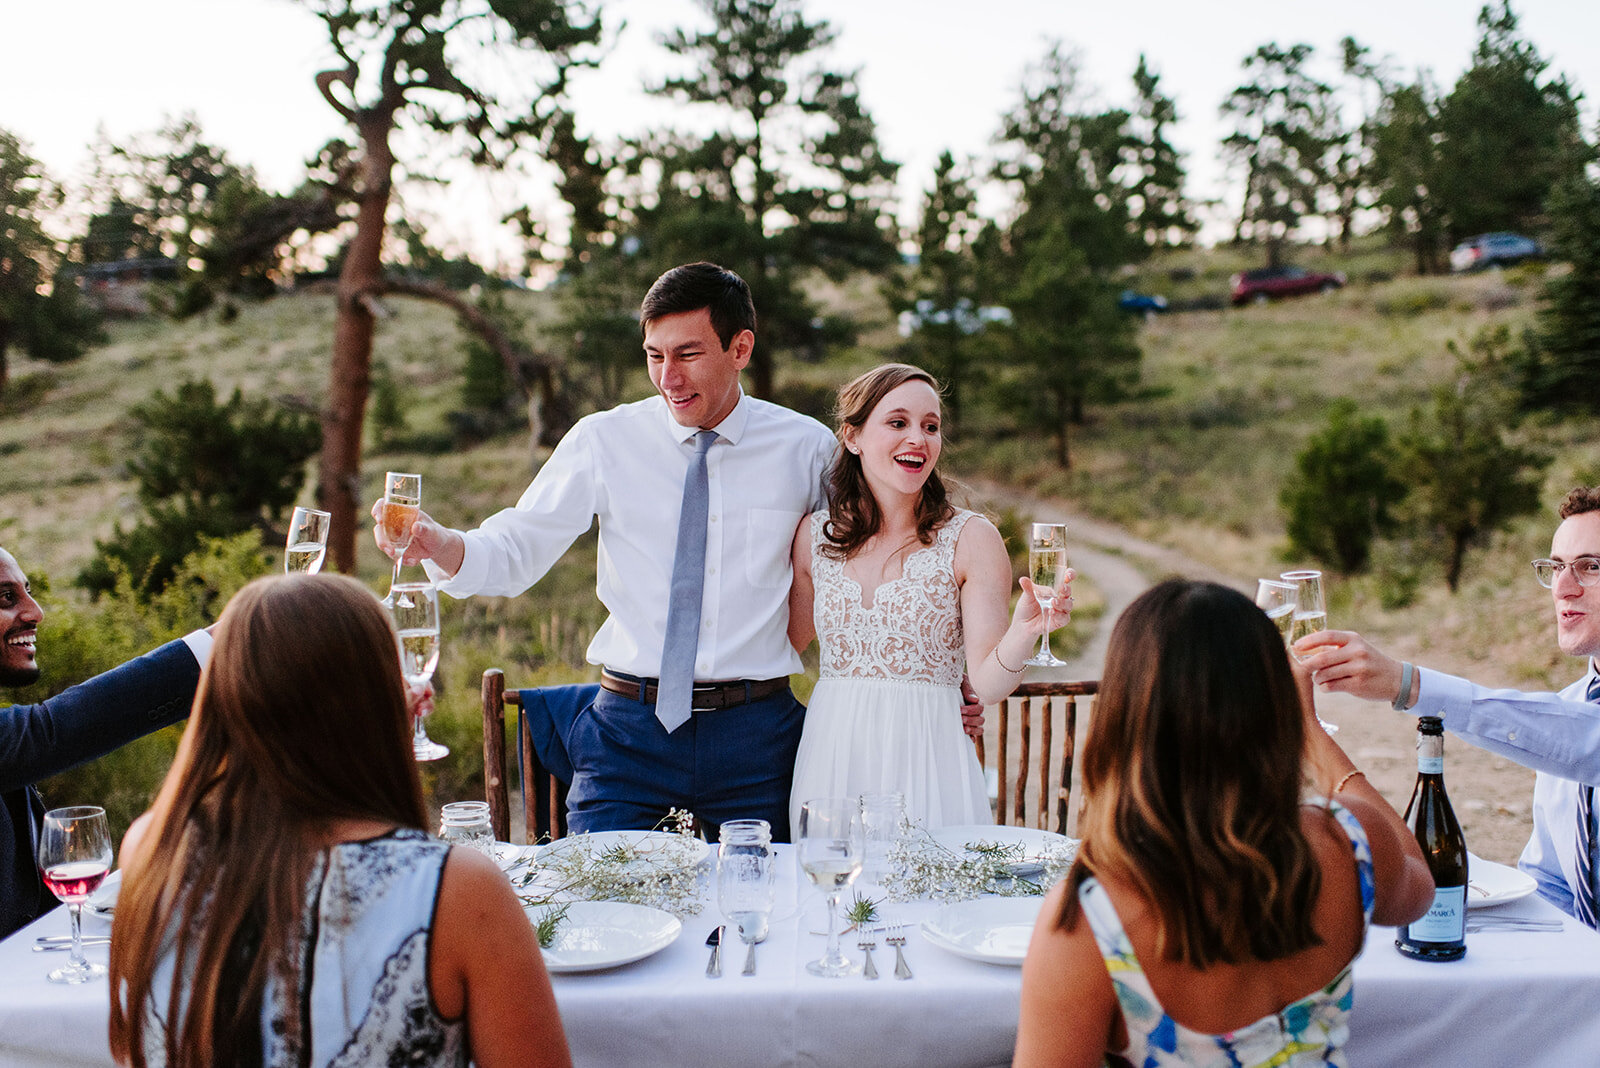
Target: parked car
(1145,304)
(1493,250)
(1267,283)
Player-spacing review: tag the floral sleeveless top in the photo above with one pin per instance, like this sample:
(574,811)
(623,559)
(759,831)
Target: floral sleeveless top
(911,633)
(359,993)
(1311,1031)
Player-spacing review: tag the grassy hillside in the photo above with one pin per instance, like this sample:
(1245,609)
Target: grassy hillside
(1195,463)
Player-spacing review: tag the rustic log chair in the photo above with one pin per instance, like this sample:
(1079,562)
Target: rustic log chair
(544,797)
(1018,802)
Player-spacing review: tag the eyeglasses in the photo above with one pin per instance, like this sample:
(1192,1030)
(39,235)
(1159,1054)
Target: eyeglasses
(1586,569)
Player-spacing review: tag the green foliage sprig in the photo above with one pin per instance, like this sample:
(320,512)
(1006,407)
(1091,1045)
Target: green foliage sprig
(923,868)
(662,874)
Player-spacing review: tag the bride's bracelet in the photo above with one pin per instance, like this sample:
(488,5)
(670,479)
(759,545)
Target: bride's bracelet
(1008,670)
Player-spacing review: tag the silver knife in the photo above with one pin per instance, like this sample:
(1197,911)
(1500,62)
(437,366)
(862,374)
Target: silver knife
(714,965)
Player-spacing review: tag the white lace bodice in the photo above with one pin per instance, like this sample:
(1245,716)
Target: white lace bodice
(912,631)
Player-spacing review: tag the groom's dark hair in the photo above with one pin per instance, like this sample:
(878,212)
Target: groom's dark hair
(702,285)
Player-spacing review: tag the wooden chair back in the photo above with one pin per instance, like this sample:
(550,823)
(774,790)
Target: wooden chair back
(1046,713)
(544,797)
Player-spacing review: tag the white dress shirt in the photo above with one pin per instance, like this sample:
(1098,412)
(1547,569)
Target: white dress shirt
(626,466)
(1556,734)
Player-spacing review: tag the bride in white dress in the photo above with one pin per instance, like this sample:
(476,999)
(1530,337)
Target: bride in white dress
(903,590)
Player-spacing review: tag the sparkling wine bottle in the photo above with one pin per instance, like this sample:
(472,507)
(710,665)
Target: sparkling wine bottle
(1441,933)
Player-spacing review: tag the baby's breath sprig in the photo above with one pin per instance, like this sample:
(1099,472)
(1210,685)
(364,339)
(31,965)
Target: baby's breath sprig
(921,867)
(660,873)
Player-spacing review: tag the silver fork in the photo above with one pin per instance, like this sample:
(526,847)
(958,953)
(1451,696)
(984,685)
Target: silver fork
(868,944)
(898,939)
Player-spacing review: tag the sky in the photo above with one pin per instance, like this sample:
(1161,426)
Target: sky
(935,75)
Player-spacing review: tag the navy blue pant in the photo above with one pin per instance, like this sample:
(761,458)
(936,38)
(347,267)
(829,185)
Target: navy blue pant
(736,763)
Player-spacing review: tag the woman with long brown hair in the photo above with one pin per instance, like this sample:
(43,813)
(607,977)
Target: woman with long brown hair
(1232,857)
(282,904)
(904,591)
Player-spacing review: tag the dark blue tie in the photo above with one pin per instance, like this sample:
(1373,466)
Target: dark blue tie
(687,591)
(1586,907)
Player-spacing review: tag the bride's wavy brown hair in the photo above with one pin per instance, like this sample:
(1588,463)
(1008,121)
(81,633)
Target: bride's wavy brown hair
(853,513)
(1192,779)
(300,718)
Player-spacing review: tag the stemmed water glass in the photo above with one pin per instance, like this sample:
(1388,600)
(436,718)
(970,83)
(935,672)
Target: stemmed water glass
(74,858)
(1310,616)
(747,881)
(830,851)
(414,607)
(1047,566)
(307,542)
(402,500)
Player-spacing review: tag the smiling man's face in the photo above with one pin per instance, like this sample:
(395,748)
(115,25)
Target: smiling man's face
(1577,607)
(19,625)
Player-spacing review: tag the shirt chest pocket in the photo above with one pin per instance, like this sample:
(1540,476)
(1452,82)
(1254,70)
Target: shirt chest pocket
(769,532)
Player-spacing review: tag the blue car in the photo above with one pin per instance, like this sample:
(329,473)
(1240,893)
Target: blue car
(1491,250)
(1141,303)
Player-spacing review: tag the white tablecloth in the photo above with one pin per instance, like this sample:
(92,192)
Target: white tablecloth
(1517,998)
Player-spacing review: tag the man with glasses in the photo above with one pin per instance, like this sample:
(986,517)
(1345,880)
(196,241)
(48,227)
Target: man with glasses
(1556,734)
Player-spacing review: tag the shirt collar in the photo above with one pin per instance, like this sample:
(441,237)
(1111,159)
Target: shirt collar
(731,429)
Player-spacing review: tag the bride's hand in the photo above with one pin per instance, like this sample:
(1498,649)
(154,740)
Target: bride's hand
(1033,616)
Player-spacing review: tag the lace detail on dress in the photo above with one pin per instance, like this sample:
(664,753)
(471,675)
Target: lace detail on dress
(912,632)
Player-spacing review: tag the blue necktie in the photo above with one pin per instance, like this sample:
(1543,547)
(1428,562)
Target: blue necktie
(688,589)
(1584,900)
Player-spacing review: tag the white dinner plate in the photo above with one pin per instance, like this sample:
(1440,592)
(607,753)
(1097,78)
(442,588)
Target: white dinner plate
(654,845)
(1489,883)
(995,930)
(605,934)
(1036,844)
(509,856)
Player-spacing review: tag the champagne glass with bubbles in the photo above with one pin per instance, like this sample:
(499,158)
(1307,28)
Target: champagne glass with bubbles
(414,607)
(1277,599)
(1047,566)
(74,858)
(830,852)
(402,500)
(307,542)
(1310,616)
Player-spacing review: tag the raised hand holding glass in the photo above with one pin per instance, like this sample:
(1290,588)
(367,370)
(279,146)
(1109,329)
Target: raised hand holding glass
(402,501)
(1310,616)
(414,607)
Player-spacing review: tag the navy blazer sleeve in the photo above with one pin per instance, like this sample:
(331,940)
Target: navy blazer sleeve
(95,717)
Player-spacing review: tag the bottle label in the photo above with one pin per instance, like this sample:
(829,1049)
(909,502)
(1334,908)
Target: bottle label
(1446,918)
(1430,765)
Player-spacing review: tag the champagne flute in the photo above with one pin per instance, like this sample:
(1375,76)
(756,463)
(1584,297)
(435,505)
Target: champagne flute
(1278,599)
(830,854)
(1047,565)
(414,607)
(402,500)
(74,859)
(1310,616)
(307,542)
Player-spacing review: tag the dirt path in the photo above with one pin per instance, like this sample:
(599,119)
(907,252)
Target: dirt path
(1492,796)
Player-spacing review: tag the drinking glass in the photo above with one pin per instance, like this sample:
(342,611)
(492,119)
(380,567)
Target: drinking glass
(1277,599)
(829,848)
(402,500)
(1047,566)
(747,886)
(883,824)
(414,607)
(74,858)
(1310,616)
(467,823)
(307,542)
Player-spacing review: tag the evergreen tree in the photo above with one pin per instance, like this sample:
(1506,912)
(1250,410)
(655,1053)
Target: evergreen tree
(1405,171)
(1560,368)
(1162,213)
(1508,134)
(1280,136)
(1342,494)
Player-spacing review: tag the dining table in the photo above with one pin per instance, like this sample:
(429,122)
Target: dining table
(1519,996)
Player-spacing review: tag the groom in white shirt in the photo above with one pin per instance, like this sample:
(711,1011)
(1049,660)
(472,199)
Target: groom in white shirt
(729,752)
(1556,734)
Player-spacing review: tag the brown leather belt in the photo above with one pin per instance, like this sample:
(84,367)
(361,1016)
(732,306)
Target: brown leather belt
(706,697)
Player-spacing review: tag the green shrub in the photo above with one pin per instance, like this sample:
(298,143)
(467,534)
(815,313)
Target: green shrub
(1340,495)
